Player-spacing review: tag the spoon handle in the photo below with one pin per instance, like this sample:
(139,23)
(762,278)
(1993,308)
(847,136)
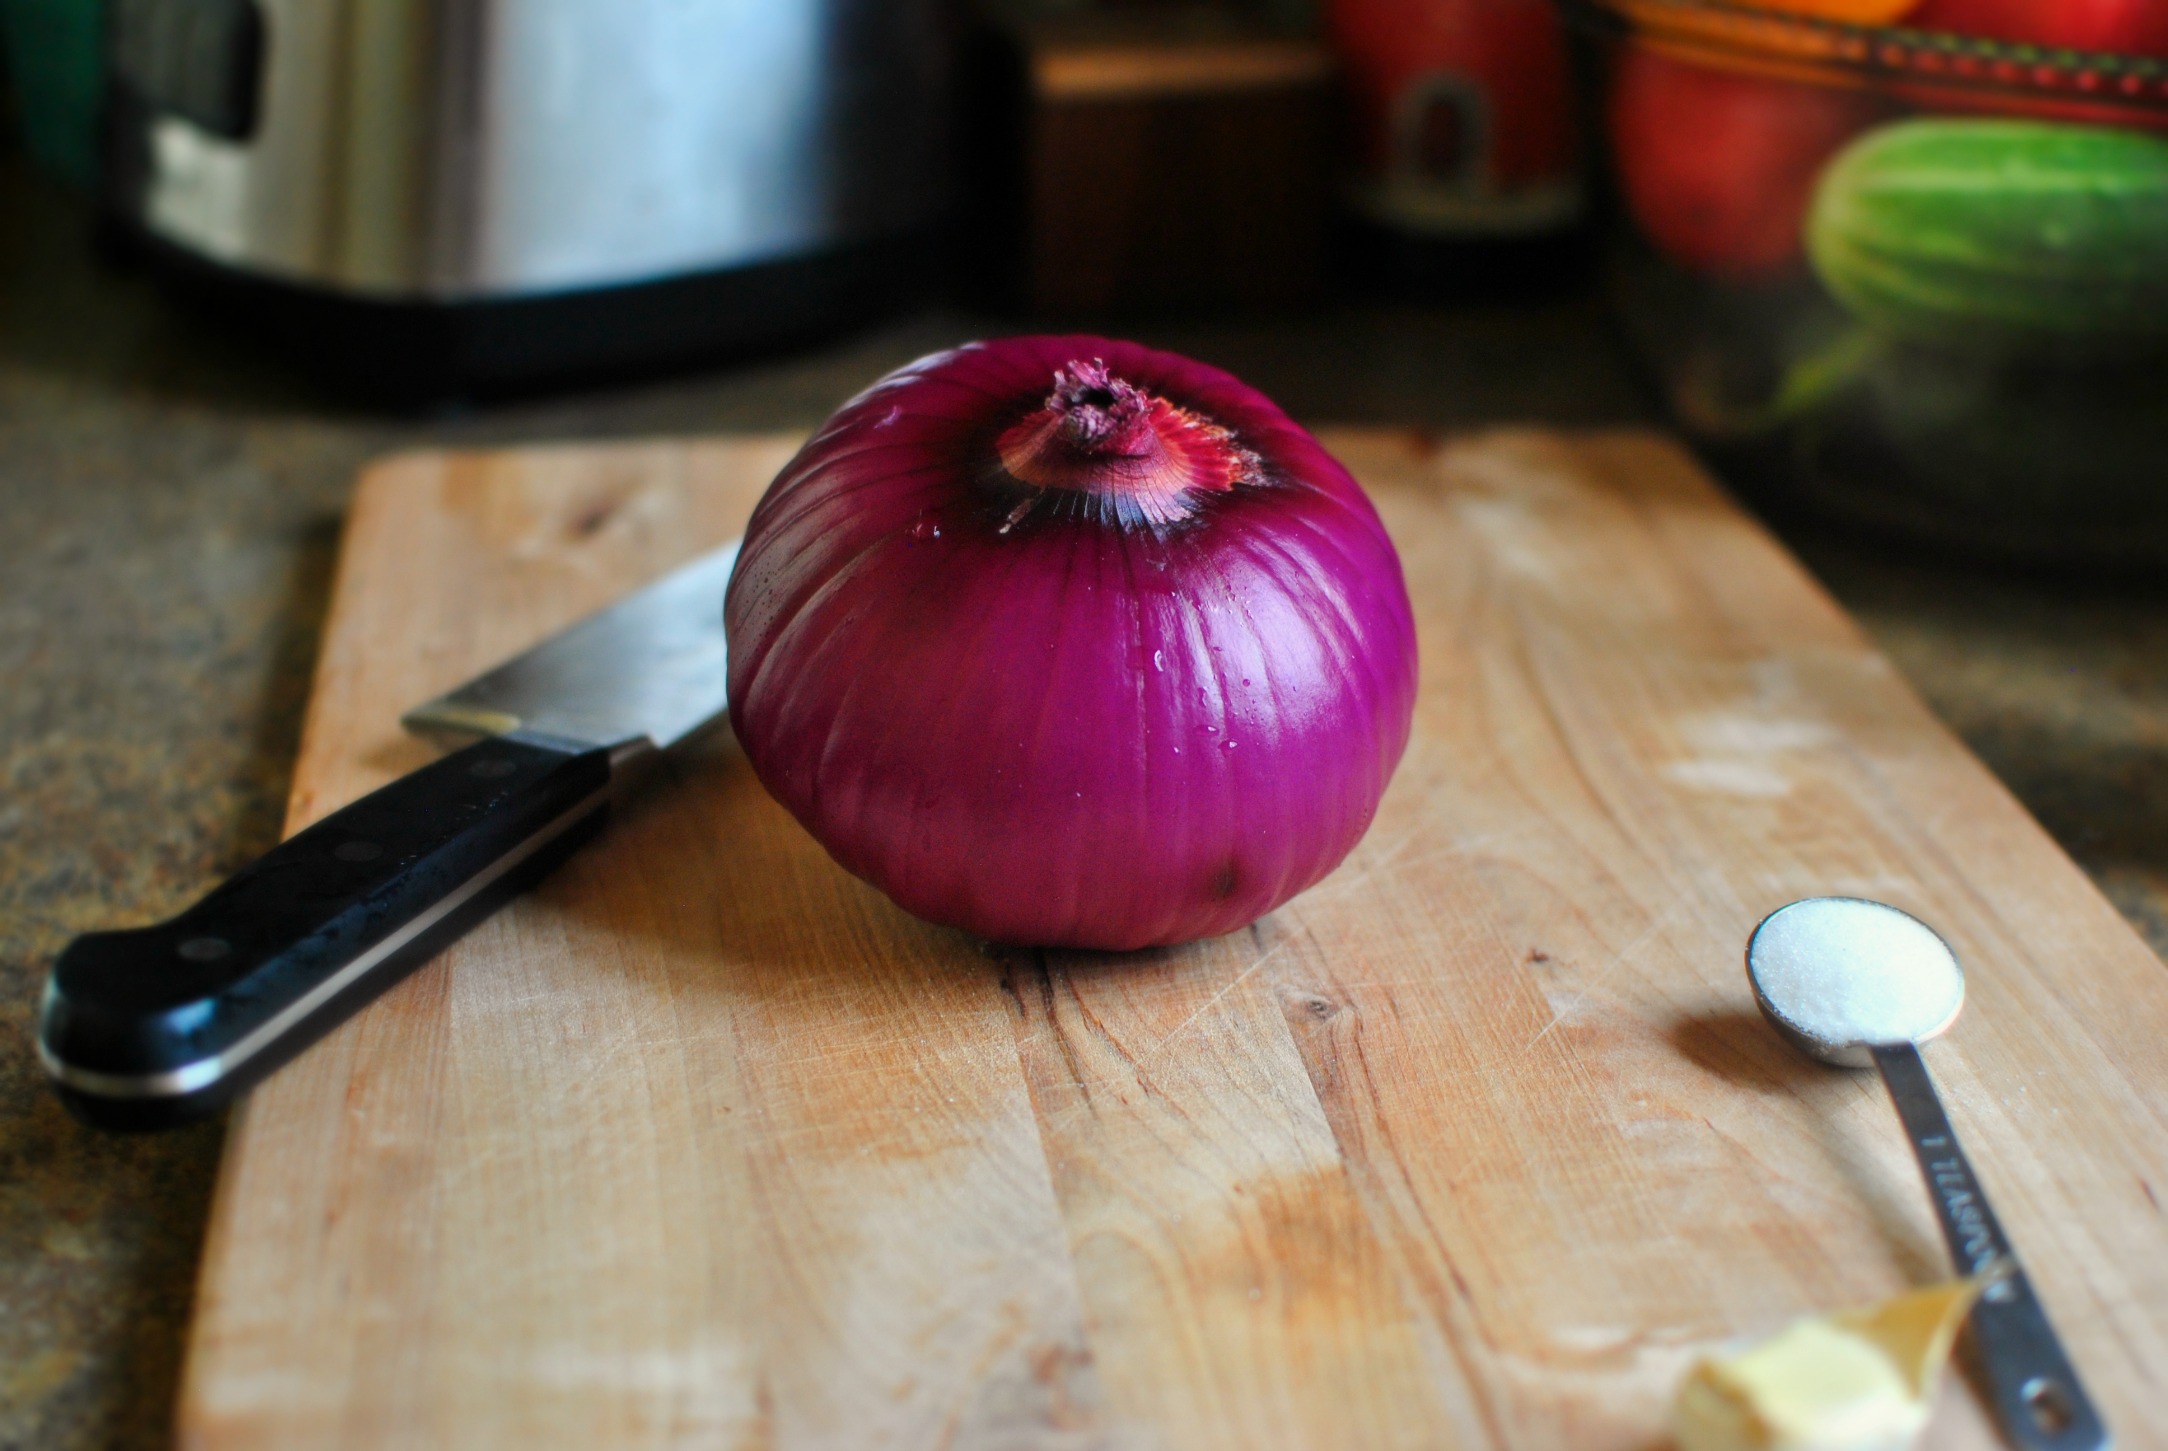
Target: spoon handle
(2038,1397)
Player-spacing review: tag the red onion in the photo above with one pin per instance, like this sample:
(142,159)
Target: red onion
(1068,642)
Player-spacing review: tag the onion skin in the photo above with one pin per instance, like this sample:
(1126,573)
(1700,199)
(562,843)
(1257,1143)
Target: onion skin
(1061,718)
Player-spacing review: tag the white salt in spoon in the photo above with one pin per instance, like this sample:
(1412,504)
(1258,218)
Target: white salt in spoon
(1854,983)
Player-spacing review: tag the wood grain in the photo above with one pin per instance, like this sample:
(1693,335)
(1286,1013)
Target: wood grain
(1476,1144)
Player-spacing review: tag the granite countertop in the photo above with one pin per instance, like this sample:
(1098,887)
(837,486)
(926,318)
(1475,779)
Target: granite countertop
(171,502)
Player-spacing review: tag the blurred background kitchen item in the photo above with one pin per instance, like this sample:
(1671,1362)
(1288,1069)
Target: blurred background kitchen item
(1149,158)
(1912,277)
(1171,155)
(56,50)
(431,196)
(435,199)
(1903,261)
(1466,156)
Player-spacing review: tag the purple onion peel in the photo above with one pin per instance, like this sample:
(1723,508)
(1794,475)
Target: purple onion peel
(1067,642)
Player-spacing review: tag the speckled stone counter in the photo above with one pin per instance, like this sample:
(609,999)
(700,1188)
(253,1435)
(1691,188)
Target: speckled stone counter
(171,502)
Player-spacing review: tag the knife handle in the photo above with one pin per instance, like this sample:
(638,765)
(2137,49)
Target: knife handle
(155,1026)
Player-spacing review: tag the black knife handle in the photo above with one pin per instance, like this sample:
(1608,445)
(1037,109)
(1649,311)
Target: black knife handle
(159,1025)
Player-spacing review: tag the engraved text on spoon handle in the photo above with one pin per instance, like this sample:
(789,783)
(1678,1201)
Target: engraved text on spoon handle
(2038,1398)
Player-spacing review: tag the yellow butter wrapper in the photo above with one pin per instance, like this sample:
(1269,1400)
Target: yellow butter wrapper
(1858,1380)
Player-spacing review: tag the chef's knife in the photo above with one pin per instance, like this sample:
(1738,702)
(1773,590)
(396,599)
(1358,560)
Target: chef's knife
(158,1025)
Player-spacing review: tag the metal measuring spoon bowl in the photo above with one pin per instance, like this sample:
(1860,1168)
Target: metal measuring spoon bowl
(1854,983)
(1838,975)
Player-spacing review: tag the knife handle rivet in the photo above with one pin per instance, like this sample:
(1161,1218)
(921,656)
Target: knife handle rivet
(204,949)
(357,851)
(492,768)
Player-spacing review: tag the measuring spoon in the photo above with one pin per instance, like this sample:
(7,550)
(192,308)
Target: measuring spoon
(1854,983)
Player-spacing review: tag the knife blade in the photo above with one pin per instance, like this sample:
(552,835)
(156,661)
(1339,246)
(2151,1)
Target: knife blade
(155,1026)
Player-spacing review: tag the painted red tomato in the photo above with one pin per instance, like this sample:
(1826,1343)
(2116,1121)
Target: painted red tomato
(2133,27)
(1718,167)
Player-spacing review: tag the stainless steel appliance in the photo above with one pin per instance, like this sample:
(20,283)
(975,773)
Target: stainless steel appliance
(497,191)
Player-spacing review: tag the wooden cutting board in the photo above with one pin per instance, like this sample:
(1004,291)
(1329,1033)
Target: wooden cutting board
(1476,1144)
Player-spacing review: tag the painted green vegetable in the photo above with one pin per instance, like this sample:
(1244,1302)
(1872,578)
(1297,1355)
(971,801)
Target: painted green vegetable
(2022,238)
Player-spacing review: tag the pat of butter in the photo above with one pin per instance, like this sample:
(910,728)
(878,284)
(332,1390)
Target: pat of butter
(1859,1380)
